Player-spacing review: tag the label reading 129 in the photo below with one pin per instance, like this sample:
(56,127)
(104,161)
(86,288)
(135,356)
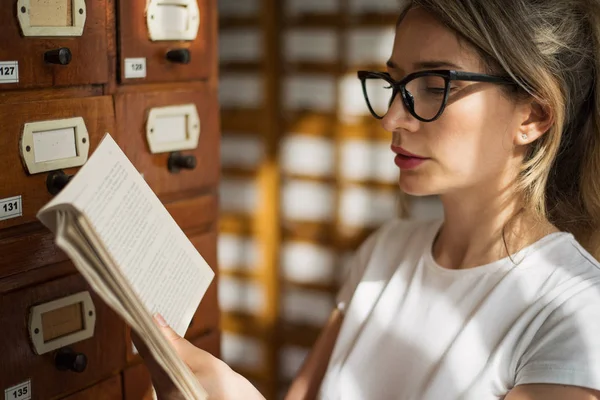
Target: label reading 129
(11,207)
(135,68)
(9,71)
(21,391)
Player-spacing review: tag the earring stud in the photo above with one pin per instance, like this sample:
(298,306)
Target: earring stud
(524,136)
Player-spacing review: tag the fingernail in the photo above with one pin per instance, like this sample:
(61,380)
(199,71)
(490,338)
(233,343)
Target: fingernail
(161,321)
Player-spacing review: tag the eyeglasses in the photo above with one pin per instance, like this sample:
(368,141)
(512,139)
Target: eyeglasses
(425,93)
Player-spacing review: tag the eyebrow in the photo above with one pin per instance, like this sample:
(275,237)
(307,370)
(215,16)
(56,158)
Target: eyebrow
(426,65)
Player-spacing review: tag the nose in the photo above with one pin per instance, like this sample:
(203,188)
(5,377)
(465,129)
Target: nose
(398,117)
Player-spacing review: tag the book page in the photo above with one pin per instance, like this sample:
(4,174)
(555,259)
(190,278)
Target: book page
(152,252)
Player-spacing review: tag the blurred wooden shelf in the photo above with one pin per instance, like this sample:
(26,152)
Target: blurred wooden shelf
(298,335)
(241,66)
(241,273)
(313,286)
(236,223)
(294,176)
(313,68)
(313,20)
(247,325)
(242,120)
(310,123)
(238,173)
(239,22)
(322,233)
(372,20)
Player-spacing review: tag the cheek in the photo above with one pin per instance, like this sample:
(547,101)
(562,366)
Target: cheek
(475,134)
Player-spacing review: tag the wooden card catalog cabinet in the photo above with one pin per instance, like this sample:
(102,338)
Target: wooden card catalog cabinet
(171,137)
(166,40)
(51,43)
(57,339)
(42,147)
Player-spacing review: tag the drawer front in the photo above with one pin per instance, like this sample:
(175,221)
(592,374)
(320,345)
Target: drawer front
(23,190)
(42,36)
(156,130)
(136,379)
(195,214)
(110,389)
(27,250)
(207,316)
(149,53)
(35,359)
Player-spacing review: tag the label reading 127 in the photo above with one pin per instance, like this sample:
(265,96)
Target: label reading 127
(11,208)
(9,71)
(21,391)
(135,68)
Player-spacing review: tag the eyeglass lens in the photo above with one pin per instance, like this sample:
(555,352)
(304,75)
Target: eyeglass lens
(426,94)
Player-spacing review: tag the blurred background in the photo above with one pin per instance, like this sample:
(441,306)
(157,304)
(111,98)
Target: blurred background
(307,173)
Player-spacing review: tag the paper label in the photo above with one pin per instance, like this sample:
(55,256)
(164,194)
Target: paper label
(10,208)
(21,391)
(9,71)
(135,68)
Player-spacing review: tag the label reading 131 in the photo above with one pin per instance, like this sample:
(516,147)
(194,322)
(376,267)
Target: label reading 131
(10,208)
(135,68)
(9,71)
(21,391)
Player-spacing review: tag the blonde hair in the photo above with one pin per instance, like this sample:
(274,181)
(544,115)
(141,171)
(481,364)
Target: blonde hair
(552,49)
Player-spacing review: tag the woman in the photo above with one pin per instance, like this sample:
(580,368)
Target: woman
(496,109)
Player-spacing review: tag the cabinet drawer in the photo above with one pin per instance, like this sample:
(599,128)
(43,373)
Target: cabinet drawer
(177,128)
(56,133)
(195,213)
(30,350)
(136,379)
(175,40)
(55,43)
(110,389)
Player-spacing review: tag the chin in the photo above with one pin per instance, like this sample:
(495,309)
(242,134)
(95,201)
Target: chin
(415,185)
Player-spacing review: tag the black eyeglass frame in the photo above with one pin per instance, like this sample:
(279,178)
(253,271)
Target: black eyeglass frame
(400,86)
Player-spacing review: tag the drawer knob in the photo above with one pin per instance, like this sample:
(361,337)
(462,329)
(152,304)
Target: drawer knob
(60,56)
(178,161)
(181,56)
(56,181)
(68,360)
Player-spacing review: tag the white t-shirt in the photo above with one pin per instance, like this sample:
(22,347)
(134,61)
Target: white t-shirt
(415,330)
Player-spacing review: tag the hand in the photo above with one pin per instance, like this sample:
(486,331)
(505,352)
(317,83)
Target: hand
(217,378)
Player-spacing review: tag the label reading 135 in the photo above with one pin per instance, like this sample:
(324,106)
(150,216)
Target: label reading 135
(21,391)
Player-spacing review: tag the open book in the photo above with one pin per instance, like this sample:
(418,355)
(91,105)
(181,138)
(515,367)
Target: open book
(125,243)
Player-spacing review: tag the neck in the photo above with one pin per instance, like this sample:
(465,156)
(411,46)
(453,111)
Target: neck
(480,227)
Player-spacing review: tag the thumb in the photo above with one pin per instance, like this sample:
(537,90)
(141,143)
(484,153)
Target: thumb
(166,330)
(184,349)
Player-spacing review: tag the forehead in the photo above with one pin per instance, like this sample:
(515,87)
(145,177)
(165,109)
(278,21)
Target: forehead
(421,38)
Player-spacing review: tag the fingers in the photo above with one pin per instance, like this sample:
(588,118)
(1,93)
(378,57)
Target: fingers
(187,351)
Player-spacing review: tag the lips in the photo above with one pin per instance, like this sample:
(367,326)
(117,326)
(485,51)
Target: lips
(400,151)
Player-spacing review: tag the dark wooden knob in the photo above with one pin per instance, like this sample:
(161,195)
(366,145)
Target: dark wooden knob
(68,360)
(56,181)
(180,56)
(178,161)
(60,56)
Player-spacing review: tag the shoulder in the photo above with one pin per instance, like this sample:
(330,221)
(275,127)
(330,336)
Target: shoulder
(563,347)
(384,249)
(394,237)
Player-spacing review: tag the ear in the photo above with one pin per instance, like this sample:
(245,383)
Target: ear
(536,120)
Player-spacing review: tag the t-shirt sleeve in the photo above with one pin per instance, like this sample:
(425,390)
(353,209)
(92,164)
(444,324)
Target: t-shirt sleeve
(566,348)
(355,269)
